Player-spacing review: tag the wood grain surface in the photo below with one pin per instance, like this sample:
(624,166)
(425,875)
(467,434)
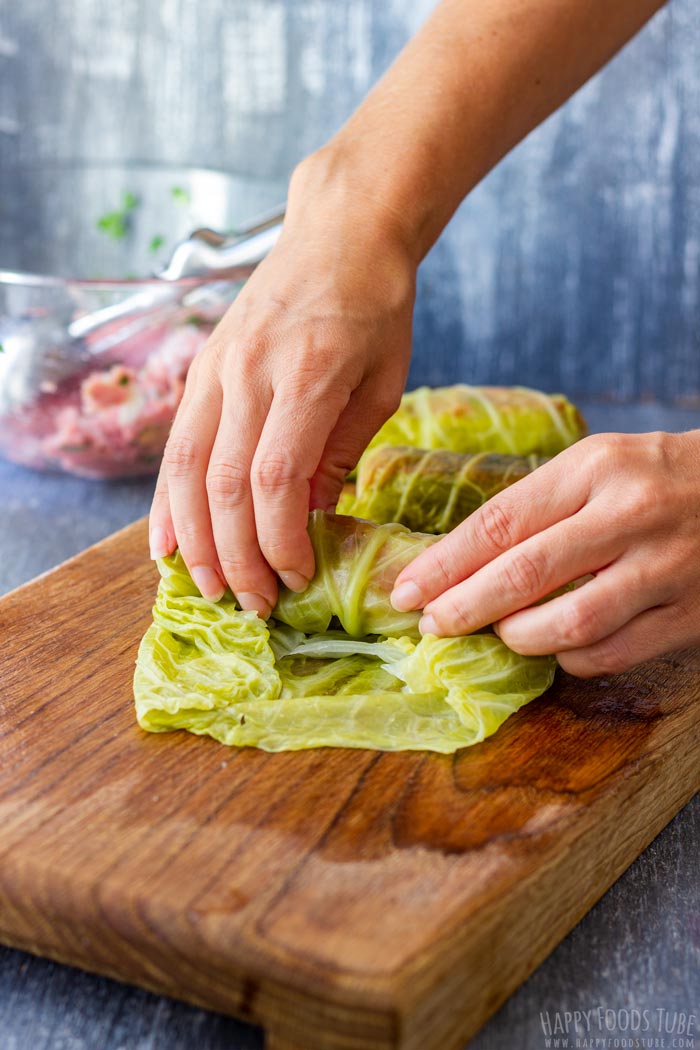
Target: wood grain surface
(342,899)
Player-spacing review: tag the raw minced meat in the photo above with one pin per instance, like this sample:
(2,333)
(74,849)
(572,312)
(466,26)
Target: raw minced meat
(114,421)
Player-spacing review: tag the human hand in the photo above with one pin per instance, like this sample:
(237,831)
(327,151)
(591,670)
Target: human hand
(625,508)
(306,365)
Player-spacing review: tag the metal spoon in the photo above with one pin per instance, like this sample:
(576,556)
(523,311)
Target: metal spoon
(204,254)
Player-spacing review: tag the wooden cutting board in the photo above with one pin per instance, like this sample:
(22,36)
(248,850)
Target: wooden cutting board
(344,900)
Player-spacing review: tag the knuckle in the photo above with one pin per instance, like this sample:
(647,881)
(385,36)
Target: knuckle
(386,402)
(644,499)
(278,550)
(273,473)
(180,455)
(442,567)
(638,572)
(235,568)
(522,577)
(212,353)
(659,450)
(310,391)
(604,451)
(636,504)
(580,623)
(205,366)
(249,356)
(227,484)
(496,525)
(189,539)
(311,368)
(451,616)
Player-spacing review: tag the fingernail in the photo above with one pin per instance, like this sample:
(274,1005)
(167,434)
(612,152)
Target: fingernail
(406,596)
(158,542)
(427,625)
(254,603)
(208,582)
(294,580)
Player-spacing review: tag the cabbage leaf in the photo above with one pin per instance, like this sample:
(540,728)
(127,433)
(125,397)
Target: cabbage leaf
(430,490)
(356,565)
(213,669)
(512,420)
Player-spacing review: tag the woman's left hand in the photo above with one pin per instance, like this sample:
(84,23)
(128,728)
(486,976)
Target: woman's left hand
(624,508)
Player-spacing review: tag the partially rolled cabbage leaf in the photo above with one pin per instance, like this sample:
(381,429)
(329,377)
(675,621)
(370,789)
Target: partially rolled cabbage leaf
(513,420)
(430,491)
(356,565)
(212,669)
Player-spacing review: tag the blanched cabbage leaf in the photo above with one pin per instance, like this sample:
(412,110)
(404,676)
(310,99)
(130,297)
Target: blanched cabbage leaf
(356,565)
(430,491)
(512,420)
(213,669)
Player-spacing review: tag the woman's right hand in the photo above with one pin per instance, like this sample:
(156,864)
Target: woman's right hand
(300,373)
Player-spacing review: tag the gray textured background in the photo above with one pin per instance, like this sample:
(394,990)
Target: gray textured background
(575,265)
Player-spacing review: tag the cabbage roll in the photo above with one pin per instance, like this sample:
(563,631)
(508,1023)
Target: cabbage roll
(363,679)
(430,491)
(356,565)
(512,420)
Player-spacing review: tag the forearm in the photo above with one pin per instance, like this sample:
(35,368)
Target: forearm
(472,83)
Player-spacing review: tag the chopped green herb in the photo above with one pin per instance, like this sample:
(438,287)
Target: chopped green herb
(179,195)
(124,380)
(116,223)
(2,349)
(157,243)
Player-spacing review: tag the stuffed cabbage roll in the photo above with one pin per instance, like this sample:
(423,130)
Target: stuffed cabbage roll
(210,668)
(512,420)
(356,565)
(430,491)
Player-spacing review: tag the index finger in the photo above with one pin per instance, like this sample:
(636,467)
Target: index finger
(231,502)
(550,494)
(288,453)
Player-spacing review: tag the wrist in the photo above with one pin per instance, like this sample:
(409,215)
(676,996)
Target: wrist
(336,186)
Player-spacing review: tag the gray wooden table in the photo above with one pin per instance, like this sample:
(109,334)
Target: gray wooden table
(639,948)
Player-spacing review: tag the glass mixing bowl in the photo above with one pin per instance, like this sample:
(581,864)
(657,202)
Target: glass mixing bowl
(77,238)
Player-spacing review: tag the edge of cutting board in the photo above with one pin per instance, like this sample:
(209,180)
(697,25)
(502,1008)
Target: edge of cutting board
(441,994)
